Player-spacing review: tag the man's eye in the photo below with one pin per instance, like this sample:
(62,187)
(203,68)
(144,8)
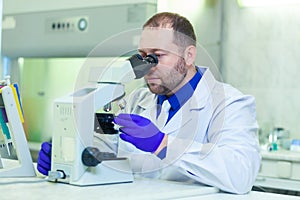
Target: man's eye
(158,55)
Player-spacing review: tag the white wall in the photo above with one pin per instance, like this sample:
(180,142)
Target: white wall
(261,56)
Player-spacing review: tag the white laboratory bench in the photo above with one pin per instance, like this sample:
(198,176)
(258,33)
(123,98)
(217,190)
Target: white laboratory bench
(37,188)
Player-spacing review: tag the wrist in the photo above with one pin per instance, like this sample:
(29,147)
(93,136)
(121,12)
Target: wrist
(162,145)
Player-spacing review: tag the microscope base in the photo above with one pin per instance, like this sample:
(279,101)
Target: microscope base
(108,172)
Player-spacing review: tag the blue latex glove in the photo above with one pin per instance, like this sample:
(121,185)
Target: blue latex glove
(44,158)
(139,131)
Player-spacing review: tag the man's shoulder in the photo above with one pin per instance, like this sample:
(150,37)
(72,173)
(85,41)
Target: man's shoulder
(221,90)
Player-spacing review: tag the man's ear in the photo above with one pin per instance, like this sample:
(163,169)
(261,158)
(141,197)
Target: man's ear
(190,55)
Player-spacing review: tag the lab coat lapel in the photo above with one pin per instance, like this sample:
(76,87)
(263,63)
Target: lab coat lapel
(184,115)
(187,114)
(178,120)
(190,110)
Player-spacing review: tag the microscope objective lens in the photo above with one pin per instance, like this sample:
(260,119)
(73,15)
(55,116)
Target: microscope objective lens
(107,107)
(122,104)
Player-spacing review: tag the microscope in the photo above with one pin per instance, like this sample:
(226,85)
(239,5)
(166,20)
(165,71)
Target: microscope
(74,159)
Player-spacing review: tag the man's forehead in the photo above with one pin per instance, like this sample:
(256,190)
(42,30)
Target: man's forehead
(158,38)
(158,30)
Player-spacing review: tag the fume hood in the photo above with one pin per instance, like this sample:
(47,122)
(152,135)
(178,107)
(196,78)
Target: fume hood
(73,30)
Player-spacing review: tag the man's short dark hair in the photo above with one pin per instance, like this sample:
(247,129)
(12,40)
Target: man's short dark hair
(184,34)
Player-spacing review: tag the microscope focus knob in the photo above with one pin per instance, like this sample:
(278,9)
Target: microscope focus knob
(91,156)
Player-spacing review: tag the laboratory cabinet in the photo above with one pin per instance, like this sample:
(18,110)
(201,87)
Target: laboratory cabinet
(280,170)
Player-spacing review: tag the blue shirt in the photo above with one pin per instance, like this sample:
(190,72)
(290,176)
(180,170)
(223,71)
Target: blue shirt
(178,99)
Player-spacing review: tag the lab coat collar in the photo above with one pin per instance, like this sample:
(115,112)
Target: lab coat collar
(203,90)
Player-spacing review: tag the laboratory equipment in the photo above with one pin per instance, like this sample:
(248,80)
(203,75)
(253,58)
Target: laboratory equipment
(14,134)
(74,125)
(278,138)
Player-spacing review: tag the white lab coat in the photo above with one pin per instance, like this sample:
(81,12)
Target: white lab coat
(212,139)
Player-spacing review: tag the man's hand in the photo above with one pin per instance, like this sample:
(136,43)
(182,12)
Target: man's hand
(44,159)
(139,131)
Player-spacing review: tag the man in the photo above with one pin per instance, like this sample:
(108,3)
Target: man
(185,126)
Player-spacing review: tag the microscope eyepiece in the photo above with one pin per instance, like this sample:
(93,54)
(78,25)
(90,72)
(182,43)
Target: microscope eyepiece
(151,58)
(141,66)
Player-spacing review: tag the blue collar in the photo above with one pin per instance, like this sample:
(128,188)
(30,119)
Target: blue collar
(178,99)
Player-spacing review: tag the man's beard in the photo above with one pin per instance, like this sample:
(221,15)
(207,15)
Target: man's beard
(172,80)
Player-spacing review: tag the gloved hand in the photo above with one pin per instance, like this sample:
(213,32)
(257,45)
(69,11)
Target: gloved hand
(44,158)
(139,131)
